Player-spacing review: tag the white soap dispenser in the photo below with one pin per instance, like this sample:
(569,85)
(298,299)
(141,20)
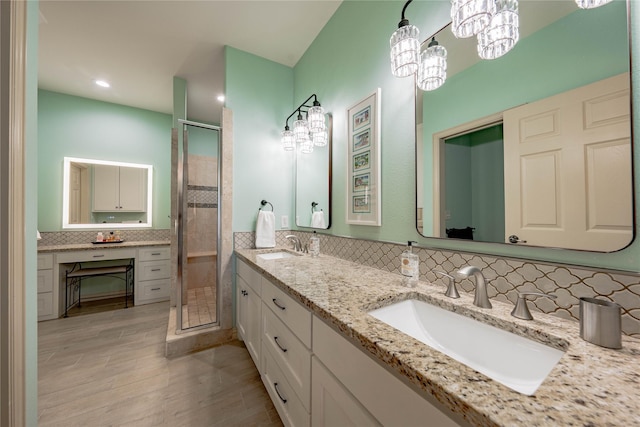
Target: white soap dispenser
(314,245)
(410,266)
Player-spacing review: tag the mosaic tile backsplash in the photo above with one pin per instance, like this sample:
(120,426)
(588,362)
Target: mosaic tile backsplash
(505,276)
(79,237)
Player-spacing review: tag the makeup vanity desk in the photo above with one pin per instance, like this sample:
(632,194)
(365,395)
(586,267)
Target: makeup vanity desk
(152,268)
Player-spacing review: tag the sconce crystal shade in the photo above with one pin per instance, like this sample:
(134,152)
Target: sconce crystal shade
(503,32)
(591,4)
(300,130)
(320,139)
(405,50)
(306,146)
(315,117)
(469,17)
(288,142)
(433,67)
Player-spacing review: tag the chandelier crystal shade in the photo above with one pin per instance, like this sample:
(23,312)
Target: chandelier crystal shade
(306,146)
(320,139)
(288,141)
(315,117)
(433,67)
(469,17)
(503,32)
(405,49)
(591,4)
(300,129)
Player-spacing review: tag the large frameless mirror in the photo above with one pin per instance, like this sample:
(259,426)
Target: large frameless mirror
(533,148)
(106,195)
(313,184)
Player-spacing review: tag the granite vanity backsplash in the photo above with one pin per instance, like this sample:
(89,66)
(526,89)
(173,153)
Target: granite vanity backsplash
(505,276)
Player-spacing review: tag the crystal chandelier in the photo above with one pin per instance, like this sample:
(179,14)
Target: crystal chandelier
(469,17)
(405,47)
(591,4)
(307,132)
(433,66)
(502,33)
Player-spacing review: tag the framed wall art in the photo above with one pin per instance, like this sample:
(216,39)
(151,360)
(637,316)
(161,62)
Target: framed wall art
(363,162)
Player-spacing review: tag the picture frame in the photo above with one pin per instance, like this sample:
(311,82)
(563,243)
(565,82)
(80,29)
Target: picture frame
(364,203)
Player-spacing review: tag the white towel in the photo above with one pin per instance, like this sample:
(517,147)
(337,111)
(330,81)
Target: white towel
(317,220)
(265,229)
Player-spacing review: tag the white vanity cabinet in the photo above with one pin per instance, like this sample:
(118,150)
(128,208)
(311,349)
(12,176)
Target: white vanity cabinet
(119,189)
(317,377)
(153,272)
(47,299)
(249,309)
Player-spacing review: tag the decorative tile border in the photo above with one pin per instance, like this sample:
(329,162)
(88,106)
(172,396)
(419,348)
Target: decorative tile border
(505,276)
(79,237)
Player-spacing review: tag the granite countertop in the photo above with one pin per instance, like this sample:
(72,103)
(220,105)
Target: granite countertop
(91,246)
(590,385)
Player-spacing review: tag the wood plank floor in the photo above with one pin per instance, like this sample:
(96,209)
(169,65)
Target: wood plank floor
(109,369)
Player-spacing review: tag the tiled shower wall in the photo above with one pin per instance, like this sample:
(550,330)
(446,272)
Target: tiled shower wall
(505,276)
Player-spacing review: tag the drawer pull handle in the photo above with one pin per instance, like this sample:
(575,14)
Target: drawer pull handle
(155,289)
(275,385)
(155,253)
(98,256)
(155,269)
(284,350)
(281,307)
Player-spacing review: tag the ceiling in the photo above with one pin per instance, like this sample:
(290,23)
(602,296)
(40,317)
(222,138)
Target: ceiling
(139,46)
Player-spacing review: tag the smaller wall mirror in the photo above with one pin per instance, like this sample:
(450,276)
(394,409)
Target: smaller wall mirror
(106,195)
(313,184)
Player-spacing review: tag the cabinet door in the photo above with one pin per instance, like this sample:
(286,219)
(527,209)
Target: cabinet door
(332,404)
(132,187)
(106,191)
(249,319)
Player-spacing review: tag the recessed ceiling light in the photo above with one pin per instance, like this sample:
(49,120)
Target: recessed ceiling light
(220,98)
(102,83)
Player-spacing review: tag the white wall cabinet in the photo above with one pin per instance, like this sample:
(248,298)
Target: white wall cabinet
(119,189)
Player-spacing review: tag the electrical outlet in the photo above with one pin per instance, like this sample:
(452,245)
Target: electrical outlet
(284,222)
(447,214)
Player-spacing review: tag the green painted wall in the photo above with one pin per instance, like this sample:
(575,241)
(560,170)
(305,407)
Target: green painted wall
(86,128)
(260,94)
(31,216)
(350,58)
(203,142)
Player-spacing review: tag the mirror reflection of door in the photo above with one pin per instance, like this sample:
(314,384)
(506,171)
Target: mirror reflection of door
(78,193)
(568,168)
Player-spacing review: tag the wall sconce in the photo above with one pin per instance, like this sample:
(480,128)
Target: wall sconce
(307,132)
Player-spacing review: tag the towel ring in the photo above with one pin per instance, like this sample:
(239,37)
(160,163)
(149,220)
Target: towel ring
(264,202)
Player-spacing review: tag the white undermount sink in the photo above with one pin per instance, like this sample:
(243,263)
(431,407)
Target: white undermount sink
(276,255)
(519,363)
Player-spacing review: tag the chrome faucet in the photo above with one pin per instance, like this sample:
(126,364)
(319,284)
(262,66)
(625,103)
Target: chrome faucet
(297,245)
(481,298)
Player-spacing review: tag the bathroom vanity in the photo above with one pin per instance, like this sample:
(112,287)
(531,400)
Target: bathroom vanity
(331,359)
(152,271)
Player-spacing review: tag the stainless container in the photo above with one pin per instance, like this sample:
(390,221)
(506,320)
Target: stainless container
(600,322)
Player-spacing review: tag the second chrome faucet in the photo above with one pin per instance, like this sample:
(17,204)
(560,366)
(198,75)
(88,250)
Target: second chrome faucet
(481,298)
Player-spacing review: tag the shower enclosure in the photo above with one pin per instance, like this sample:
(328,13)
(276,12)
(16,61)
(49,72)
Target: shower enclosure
(196,218)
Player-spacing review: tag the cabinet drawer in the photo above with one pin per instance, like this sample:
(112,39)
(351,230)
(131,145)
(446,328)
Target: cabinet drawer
(45,261)
(292,357)
(292,314)
(153,254)
(252,277)
(95,255)
(154,290)
(289,408)
(45,281)
(153,270)
(45,304)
